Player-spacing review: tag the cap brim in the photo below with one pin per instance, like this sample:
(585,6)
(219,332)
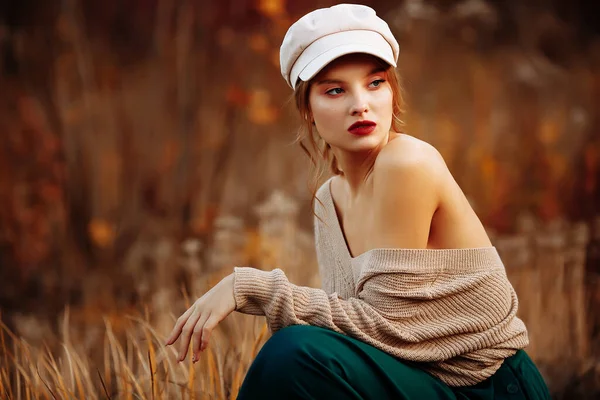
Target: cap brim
(316,65)
(367,42)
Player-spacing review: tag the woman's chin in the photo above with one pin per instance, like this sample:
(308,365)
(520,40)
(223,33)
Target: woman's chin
(365,142)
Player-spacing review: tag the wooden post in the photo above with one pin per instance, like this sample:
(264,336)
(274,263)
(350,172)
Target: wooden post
(229,245)
(592,278)
(575,289)
(550,259)
(278,229)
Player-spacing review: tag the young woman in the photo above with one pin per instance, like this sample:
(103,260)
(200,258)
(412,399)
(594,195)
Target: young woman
(415,301)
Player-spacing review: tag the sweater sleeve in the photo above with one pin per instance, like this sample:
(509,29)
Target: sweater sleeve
(402,313)
(269,293)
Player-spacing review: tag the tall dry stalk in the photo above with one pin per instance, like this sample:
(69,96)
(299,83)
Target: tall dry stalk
(138,366)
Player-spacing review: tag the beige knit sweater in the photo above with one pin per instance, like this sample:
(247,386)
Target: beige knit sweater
(452,310)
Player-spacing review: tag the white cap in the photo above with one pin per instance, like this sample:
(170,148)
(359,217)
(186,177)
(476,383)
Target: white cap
(325,34)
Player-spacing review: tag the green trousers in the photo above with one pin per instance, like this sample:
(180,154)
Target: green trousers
(307,362)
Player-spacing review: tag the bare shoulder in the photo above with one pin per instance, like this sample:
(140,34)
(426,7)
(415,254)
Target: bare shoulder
(411,185)
(406,156)
(407,179)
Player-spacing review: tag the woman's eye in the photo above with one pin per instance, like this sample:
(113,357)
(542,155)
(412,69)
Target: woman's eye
(334,91)
(377,82)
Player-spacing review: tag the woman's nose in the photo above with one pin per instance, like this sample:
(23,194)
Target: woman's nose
(360,104)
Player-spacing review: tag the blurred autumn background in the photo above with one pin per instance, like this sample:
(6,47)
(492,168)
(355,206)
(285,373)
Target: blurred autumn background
(147,149)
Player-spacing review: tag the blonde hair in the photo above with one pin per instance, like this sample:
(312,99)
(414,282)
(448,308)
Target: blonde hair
(317,150)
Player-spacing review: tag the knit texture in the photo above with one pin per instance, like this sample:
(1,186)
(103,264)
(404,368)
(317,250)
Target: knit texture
(452,311)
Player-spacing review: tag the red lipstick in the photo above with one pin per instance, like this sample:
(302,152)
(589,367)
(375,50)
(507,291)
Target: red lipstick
(362,128)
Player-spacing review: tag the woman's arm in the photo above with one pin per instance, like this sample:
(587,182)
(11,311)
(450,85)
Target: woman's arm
(393,310)
(269,293)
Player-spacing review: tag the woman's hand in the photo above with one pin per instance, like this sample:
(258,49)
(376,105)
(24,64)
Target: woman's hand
(202,317)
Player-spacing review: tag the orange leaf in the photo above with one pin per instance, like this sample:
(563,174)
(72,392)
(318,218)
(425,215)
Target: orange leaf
(263,115)
(101,232)
(549,132)
(272,8)
(235,95)
(488,168)
(260,111)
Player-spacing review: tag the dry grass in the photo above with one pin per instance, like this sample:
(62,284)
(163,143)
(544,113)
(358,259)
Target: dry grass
(135,363)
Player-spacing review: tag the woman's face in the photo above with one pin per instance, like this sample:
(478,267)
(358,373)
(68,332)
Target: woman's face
(352,89)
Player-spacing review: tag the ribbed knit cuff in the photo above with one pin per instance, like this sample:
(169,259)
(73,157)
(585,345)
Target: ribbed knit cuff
(252,289)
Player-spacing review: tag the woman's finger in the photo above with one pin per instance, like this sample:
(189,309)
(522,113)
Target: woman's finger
(178,326)
(186,334)
(207,329)
(197,336)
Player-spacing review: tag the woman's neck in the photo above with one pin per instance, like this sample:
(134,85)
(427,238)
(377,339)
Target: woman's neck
(357,167)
